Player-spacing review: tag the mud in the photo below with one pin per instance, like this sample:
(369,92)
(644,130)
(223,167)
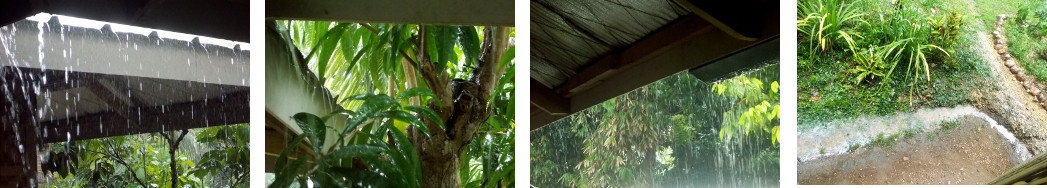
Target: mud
(971,153)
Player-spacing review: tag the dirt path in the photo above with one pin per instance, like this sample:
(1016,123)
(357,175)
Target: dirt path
(1011,105)
(971,153)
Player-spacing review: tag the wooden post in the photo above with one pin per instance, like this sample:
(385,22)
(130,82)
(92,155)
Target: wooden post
(22,101)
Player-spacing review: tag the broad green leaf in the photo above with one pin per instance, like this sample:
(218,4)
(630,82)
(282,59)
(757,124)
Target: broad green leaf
(468,38)
(418,92)
(427,113)
(412,168)
(347,152)
(313,128)
(406,117)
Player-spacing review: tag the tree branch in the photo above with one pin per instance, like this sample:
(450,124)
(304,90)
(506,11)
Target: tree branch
(121,161)
(172,148)
(239,179)
(495,44)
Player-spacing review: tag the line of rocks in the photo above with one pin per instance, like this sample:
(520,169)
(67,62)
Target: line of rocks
(1015,68)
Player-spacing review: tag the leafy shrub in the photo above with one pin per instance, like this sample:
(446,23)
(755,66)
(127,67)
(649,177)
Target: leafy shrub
(946,28)
(902,37)
(368,136)
(758,109)
(827,24)
(682,131)
(1033,15)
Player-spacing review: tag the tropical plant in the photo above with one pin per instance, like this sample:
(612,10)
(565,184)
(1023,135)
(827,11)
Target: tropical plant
(468,69)
(946,29)
(151,160)
(826,24)
(376,143)
(1033,15)
(906,41)
(756,109)
(229,154)
(660,135)
(868,64)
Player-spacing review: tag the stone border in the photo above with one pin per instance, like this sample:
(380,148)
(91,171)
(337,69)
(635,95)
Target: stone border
(1000,46)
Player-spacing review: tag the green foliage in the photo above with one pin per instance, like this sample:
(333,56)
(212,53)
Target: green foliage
(626,141)
(948,125)
(229,154)
(868,64)
(853,146)
(909,133)
(375,141)
(1026,36)
(903,45)
(885,141)
(825,24)
(758,109)
(375,58)
(495,165)
(665,160)
(906,40)
(947,28)
(682,130)
(123,161)
(1033,15)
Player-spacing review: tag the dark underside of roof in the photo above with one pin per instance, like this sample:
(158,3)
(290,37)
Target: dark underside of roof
(567,35)
(586,52)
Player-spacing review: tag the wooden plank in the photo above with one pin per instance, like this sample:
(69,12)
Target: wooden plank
(696,52)
(654,44)
(233,109)
(433,12)
(548,100)
(540,119)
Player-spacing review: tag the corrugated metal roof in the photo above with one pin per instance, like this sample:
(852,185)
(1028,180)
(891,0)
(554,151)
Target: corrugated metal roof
(568,35)
(80,75)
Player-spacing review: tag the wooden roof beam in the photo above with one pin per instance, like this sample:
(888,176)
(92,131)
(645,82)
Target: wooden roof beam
(434,12)
(223,110)
(652,45)
(547,100)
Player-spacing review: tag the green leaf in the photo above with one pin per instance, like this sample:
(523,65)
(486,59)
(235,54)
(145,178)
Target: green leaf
(326,46)
(427,113)
(350,151)
(411,165)
(406,117)
(470,42)
(445,37)
(282,177)
(312,127)
(418,92)
(509,55)
(365,177)
(373,104)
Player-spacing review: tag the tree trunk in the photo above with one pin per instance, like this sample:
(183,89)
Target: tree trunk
(172,146)
(463,109)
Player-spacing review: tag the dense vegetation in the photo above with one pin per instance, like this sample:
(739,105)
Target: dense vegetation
(450,123)
(205,157)
(677,132)
(877,57)
(1027,35)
